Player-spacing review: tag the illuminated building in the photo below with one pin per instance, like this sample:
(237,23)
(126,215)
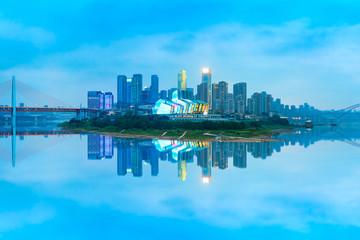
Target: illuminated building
(109,101)
(182,80)
(180,106)
(96,100)
(206,79)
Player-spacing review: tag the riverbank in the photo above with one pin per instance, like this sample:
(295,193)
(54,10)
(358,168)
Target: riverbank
(160,127)
(248,135)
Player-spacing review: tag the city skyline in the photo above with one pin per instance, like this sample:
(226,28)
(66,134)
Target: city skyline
(291,54)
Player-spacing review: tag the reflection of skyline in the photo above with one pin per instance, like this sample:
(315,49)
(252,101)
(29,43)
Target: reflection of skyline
(100,147)
(133,153)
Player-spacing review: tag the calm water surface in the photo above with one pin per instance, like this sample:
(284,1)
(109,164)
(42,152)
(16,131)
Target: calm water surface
(69,186)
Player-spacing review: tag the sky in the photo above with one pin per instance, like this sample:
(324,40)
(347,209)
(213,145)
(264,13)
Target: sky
(299,51)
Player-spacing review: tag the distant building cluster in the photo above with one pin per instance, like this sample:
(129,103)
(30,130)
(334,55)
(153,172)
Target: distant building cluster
(131,94)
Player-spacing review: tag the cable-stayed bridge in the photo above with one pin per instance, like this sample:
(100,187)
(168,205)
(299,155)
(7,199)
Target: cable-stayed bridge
(35,102)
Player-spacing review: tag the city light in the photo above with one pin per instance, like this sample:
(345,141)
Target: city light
(205,180)
(205,70)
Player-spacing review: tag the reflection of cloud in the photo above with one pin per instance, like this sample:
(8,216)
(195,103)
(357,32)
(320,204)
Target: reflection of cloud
(292,55)
(20,218)
(15,31)
(294,190)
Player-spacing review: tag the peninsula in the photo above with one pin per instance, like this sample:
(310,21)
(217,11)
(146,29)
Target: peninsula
(160,127)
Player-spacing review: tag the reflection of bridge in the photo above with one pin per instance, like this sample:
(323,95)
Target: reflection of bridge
(338,115)
(36,133)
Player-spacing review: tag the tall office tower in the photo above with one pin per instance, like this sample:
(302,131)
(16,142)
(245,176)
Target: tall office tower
(128,93)
(223,89)
(257,103)
(267,103)
(203,93)
(251,105)
(136,90)
(206,78)
(154,89)
(239,91)
(96,100)
(122,91)
(163,94)
(276,105)
(229,103)
(109,101)
(263,96)
(146,96)
(182,80)
(216,101)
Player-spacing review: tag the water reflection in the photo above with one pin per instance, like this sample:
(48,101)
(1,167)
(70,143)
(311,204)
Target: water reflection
(133,153)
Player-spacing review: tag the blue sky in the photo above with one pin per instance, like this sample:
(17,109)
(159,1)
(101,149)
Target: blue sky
(301,51)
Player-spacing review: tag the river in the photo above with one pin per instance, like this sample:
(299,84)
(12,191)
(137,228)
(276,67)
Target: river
(59,185)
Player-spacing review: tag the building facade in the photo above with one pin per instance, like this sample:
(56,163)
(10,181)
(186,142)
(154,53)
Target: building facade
(136,90)
(239,91)
(182,80)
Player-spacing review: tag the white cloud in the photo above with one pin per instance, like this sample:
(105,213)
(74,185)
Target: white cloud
(293,61)
(16,31)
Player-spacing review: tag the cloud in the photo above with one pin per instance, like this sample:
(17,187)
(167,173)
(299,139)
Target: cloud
(15,31)
(20,218)
(293,61)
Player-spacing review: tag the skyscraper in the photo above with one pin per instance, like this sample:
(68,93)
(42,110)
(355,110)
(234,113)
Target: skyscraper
(163,94)
(206,79)
(202,93)
(257,103)
(239,91)
(109,101)
(154,89)
(122,91)
(136,90)
(182,80)
(220,97)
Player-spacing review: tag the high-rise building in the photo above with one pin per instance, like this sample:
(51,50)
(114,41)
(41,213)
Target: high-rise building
(206,78)
(109,101)
(239,91)
(203,93)
(96,100)
(220,96)
(216,101)
(257,103)
(182,80)
(267,104)
(122,91)
(251,105)
(163,94)
(229,103)
(154,89)
(146,96)
(136,90)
